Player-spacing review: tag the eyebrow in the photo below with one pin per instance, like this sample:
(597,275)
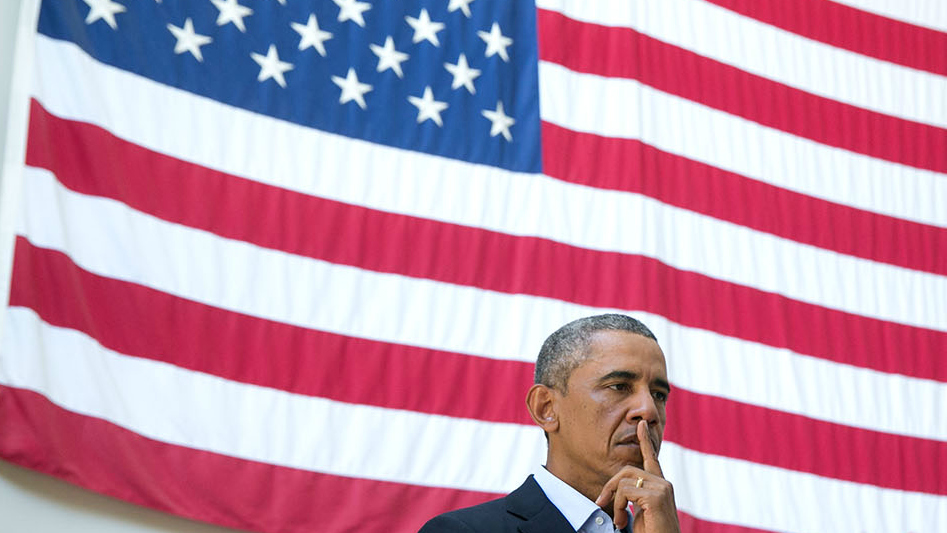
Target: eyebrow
(663,384)
(618,374)
(631,376)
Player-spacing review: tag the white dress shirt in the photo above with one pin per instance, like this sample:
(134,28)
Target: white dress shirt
(581,512)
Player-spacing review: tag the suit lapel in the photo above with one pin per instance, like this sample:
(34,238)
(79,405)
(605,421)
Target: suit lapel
(539,515)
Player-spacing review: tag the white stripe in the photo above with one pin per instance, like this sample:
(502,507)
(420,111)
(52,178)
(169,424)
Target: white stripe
(927,13)
(628,109)
(781,380)
(733,491)
(110,239)
(174,122)
(191,409)
(420,185)
(712,31)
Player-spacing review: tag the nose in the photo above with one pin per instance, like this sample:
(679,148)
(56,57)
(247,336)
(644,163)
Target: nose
(641,406)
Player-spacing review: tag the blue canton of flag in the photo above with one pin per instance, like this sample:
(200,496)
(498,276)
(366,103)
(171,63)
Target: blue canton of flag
(452,78)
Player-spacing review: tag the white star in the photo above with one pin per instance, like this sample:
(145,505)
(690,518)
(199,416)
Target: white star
(105,10)
(271,66)
(231,11)
(428,107)
(496,42)
(463,74)
(352,89)
(311,35)
(500,122)
(352,10)
(188,41)
(424,28)
(388,57)
(463,5)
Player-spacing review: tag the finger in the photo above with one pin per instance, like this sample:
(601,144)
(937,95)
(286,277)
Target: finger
(612,485)
(620,510)
(638,525)
(648,454)
(606,495)
(629,494)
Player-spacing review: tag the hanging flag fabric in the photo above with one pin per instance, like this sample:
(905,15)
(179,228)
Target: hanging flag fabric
(285,265)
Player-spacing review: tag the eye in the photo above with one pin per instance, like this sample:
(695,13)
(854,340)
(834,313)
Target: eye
(659,396)
(619,387)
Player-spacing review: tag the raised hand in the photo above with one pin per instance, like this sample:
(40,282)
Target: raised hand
(646,489)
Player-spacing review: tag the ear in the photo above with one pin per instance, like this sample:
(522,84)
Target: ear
(543,407)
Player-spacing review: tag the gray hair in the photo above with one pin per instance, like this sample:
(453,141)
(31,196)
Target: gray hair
(568,346)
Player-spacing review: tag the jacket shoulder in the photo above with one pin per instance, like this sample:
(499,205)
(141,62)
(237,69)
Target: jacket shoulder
(526,506)
(491,516)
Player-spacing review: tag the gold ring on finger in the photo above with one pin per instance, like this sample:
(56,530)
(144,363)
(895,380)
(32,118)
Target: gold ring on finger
(639,483)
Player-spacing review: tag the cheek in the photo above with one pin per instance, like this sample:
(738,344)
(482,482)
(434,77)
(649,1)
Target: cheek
(578,413)
(592,418)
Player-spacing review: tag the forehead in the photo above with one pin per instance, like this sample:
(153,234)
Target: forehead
(623,351)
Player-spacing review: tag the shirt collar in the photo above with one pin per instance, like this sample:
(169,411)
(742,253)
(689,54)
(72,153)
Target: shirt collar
(571,503)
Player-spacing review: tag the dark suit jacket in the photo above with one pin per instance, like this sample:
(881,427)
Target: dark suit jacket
(525,510)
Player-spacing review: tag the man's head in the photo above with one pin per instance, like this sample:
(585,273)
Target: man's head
(596,378)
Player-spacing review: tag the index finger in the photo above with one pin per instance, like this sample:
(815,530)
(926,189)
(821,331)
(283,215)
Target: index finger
(648,454)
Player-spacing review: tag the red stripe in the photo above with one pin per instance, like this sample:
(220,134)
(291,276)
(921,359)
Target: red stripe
(604,50)
(120,316)
(852,29)
(175,190)
(106,458)
(633,166)
(717,426)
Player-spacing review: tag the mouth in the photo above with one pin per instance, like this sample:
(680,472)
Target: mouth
(632,440)
(628,451)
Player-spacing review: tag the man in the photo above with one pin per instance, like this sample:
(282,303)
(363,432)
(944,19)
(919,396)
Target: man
(600,393)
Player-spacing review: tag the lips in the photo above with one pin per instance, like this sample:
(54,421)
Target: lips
(632,439)
(629,451)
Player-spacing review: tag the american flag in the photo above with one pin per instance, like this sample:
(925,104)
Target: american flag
(284,265)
